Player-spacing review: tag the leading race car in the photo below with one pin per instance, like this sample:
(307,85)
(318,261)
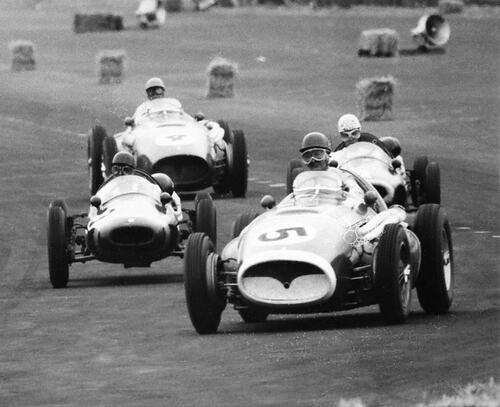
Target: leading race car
(330,245)
(132,220)
(167,140)
(384,169)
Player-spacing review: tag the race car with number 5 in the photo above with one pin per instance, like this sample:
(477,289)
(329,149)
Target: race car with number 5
(330,245)
(196,153)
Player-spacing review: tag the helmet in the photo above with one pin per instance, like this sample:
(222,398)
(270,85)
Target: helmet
(165,182)
(315,140)
(155,88)
(123,163)
(348,122)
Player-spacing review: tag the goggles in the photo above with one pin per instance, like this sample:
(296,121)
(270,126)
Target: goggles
(121,170)
(354,133)
(317,154)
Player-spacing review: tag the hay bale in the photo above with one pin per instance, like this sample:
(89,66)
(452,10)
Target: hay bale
(97,22)
(23,55)
(221,74)
(173,6)
(450,6)
(111,65)
(375,96)
(379,42)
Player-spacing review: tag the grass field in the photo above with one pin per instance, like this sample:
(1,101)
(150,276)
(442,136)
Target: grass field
(123,338)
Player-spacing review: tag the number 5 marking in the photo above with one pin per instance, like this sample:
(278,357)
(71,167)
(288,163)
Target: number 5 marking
(281,234)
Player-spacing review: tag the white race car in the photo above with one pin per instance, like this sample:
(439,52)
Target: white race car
(132,220)
(330,245)
(386,172)
(196,154)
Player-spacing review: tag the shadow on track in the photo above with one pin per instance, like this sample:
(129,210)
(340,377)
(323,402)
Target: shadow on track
(109,281)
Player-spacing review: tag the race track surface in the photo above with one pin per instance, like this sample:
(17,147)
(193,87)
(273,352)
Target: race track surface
(122,337)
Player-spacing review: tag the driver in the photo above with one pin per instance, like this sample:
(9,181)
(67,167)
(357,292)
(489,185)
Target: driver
(315,151)
(155,92)
(349,129)
(123,164)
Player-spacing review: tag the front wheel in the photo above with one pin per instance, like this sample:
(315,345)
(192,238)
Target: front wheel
(57,245)
(204,297)
(436,279)
(242,221)
(393,274)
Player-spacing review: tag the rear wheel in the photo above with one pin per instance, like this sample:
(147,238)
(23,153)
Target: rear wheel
(392,274)
(436,279)
(204,297)
(238,175)
(295,167)
(109,150)
(206,216)
(433,183)
(94,155)
(57,245)
(242,221)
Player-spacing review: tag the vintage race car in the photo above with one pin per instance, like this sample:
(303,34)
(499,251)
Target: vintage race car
(330,245)
(167,140)
(132,220)
(386,172)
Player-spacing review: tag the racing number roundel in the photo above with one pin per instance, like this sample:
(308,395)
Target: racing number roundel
(292,234)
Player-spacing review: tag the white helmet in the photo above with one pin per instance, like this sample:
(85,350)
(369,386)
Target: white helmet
(154,83)
(348,122)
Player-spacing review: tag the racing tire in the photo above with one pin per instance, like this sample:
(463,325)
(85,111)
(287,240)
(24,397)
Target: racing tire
(392,279)
(436,280)
(238,170)
(94,156)
(295,167)
(433,183)
(253,315)
(144,163)
(206,216)
(204,297)
(417,180)
(57,245)
(109,149)
(242,221)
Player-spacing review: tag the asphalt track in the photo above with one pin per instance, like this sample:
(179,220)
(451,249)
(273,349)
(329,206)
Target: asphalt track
(120,337)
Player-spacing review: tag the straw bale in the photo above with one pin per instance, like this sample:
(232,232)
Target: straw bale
(221,74)
(450,6)
(97,22)
(379,42)
(111,65)
(375,98)
(23,55)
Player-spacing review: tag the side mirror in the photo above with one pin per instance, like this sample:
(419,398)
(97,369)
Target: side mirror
(268,202)
(396,163)
(95,201)
(370,198)
(333,163)
(199,116)
(165,198)
(129,121)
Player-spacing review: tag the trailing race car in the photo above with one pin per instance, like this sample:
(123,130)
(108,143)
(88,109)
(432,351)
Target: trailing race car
(167,140)
(330,245)
(386,172)
(132,220)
